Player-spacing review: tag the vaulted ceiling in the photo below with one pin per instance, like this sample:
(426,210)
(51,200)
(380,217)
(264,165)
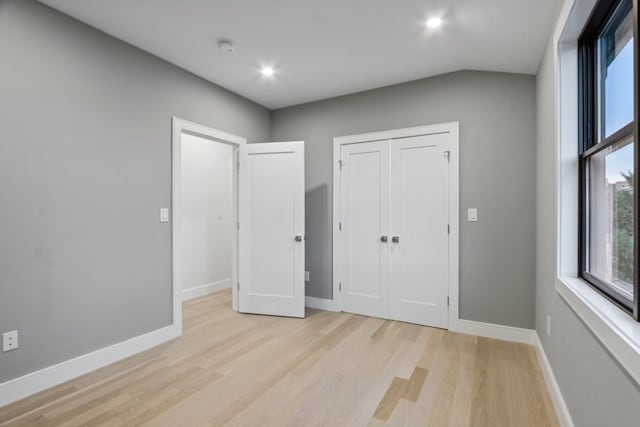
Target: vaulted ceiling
(325,48)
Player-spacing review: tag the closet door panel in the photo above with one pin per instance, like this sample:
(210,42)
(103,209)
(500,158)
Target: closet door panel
(419,228)
(364,214)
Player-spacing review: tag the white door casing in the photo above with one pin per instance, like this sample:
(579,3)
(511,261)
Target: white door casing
(365,225)
(271,229)
(179,128)
(419,224)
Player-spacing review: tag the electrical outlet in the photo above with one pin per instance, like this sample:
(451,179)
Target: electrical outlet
(548,326)
(306,276)
(9,341)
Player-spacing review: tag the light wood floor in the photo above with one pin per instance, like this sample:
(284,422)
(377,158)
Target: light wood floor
(330,369)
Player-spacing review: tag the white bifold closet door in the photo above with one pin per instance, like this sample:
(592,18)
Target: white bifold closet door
(365,228)
(419,216)
(271,229)
(394,217)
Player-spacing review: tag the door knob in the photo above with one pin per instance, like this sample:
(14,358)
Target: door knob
(395,239)
(383,239)
(298,238)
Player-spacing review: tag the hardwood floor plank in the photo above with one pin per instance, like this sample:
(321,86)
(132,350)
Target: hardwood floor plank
(415,384)
(442,410)
(390,399)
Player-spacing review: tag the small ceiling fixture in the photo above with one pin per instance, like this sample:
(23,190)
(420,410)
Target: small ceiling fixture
(225,45)
(434,23)
(267,71)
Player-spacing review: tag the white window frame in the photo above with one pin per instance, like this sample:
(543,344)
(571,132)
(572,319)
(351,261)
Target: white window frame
(618,332)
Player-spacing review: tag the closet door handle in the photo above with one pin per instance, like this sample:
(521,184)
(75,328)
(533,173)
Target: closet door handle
(298,238)
(383,239)
(395,239)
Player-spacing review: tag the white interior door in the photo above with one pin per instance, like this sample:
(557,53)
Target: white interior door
(419,243)
(271,229)
(365,225)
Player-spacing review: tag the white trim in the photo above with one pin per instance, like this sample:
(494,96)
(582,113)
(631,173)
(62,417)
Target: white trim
(454,220)
(490,330)
(337,253)
(196,129)
(397,133)
(564,417)
(321,304)
(452,128)
(616,330)
(202,290)
(43,379)
(179,127)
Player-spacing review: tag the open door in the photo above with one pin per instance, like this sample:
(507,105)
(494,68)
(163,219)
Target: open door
(271,229)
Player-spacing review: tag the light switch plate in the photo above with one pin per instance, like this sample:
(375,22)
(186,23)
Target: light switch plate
(10,341)
(164,214)
(472,214)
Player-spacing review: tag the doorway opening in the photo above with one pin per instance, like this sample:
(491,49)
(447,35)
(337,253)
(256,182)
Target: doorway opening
(205,212)
(206,216)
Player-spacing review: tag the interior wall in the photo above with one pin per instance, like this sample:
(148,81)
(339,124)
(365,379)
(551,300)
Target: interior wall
(597,391)
(85,166)
(207,213)
(496,112)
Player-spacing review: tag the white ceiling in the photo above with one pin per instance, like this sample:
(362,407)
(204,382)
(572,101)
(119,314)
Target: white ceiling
(325,48)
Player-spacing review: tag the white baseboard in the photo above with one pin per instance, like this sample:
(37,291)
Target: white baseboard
(490,330)
(200,291)
(321,303)
(564,417)
(43,379)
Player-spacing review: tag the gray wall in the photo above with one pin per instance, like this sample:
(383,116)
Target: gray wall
(597,390)
(497,126)
(85,165)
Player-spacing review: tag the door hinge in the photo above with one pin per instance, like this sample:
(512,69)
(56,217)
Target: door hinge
(238,285)
(340,164)
(340,226)
(447,154)
(340,287)
(447,301)
(448,229)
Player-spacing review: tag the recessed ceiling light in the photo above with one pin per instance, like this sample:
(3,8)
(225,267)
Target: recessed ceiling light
(267,71)
(434,23)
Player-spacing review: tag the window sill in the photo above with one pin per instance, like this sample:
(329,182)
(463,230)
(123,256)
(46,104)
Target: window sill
(617,331)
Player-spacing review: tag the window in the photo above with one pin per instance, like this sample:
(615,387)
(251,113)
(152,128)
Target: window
(609,242)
